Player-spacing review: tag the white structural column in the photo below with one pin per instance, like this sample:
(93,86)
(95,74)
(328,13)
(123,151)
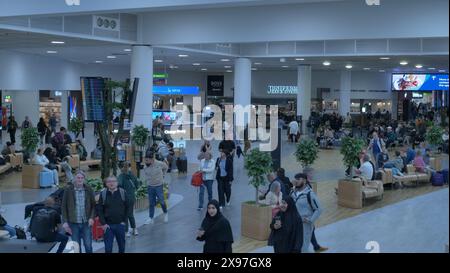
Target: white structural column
(345,92)
(242,86)
(142,68)
(304,94)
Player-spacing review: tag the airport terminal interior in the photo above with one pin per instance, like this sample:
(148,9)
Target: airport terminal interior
(244,126)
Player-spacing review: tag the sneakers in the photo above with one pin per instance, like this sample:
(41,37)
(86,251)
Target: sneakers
(128,234)
(135,232)
(166,217)
(321,249)
(228,203)
(149,221)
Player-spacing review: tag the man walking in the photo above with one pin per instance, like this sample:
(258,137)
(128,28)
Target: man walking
(130,184)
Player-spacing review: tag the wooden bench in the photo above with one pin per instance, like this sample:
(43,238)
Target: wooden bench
(353,194)
(16,160)
(5,168)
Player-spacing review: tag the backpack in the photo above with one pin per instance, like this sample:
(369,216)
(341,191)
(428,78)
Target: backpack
(103,194)
(308,197)
(42,225)
(197,179)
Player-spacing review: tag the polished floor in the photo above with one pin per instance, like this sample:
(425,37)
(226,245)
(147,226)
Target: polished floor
(178,235)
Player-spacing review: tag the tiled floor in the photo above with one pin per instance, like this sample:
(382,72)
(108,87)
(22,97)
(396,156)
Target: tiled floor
(179,234)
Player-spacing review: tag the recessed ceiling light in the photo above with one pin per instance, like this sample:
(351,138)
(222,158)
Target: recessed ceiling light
(229,71)
(98,62)
(326,63)
(175,66)
(258,63)
(111,57)
(382,71)
(52,51)
(224,60)
(203,69)
(285,66)
(299,59)
(385,58)
(196,64)
(283,60)
(419,66)
(227,66)
(366,68)
(58,42)
(441,70)
(183,55)
(349,66)
(431,68)
(158,61)
(403,63)
(254,69)
(127,50)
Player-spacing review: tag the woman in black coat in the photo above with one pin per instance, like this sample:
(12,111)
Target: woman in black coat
(287,228)
(224,176)
(215,231)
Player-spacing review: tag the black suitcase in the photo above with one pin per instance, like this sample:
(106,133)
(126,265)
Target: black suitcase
(181,165)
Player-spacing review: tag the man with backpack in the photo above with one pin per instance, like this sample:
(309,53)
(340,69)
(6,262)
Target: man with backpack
(45,223)
(113,208)
(308,207)
(27,123)
(130,184)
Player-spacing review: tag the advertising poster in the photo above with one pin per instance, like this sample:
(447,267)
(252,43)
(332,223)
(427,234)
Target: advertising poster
(419,82)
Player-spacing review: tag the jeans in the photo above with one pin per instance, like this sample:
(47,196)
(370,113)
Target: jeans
(55,175)
(224,190)
(82,231)
(314,240)
(154,192)
(10,229)
(308,229)
(130,218)
(117,231)
(67,170)
(208,185)
(62,239)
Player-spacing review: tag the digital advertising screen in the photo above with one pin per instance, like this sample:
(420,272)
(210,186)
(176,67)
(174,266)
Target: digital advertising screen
(92,94)
(420,82)
(167,116)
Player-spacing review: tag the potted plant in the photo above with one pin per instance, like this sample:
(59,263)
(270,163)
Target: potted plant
(141,198)
(140,135)
(306,153)
(434,136)
(256,218)
(75,126)
(30,141)
(349,192)
(96,184)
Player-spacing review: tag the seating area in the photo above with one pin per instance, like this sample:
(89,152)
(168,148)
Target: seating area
(354,193)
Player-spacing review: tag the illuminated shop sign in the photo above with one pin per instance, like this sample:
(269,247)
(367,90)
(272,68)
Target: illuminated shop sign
(282,89)
(176,90)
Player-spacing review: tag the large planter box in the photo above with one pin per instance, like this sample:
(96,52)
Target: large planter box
(30,176)
(141,204)
(255,221)
(350,194)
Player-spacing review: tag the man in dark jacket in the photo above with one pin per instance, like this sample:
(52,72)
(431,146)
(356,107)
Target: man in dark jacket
(78,208)
(130,184)
(224,176)
(113,213)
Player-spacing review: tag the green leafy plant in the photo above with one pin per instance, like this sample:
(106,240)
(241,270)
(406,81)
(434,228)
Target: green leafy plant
(434,135)
(140,135)
(76,125)
(257,164)
(141,192)
(95,183)
(307,152)
(350,149)
(30,139)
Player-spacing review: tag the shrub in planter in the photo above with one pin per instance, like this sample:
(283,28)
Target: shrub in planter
(75,126)
(306,153)
(95,183)
(30,141)
(257,164)
(140,135)
(434,135)
(350,149)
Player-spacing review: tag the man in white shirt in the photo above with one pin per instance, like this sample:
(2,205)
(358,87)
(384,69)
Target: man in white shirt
(293,130)
(366,170)
(41,159)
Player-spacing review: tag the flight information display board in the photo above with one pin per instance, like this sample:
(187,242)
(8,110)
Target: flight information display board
(93,100)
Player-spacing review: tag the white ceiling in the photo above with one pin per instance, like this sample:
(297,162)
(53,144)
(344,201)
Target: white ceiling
(88,51)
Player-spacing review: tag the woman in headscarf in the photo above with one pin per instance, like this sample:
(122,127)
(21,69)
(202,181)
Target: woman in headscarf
(287,228)
(215,231)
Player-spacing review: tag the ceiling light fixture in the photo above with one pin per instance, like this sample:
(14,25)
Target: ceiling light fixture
(382,71)
(227,66)
(326,63)
(442,70)
(258,63)
(58,42)
(366,68)
(285,66)
(419,66)
(203,69)
(254,69)
(282,60)
(98,62)
(224,60)
(111,57)
(52,51)
(431,68)
(385,58)
(299,59)
(158,61)
(183,55)
(349,66)
(127,50)
(229,71)
(196,64)
(403,63)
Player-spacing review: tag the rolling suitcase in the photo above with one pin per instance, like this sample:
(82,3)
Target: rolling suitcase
(437,179)
(97,230)
(182,164)
(45,179)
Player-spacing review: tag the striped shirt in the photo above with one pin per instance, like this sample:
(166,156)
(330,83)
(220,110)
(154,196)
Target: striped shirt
(80,204)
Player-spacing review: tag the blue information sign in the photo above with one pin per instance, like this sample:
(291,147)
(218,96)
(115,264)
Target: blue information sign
(176,90)
(93,101)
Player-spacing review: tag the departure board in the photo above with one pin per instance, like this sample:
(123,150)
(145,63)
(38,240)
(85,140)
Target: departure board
(93,100)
